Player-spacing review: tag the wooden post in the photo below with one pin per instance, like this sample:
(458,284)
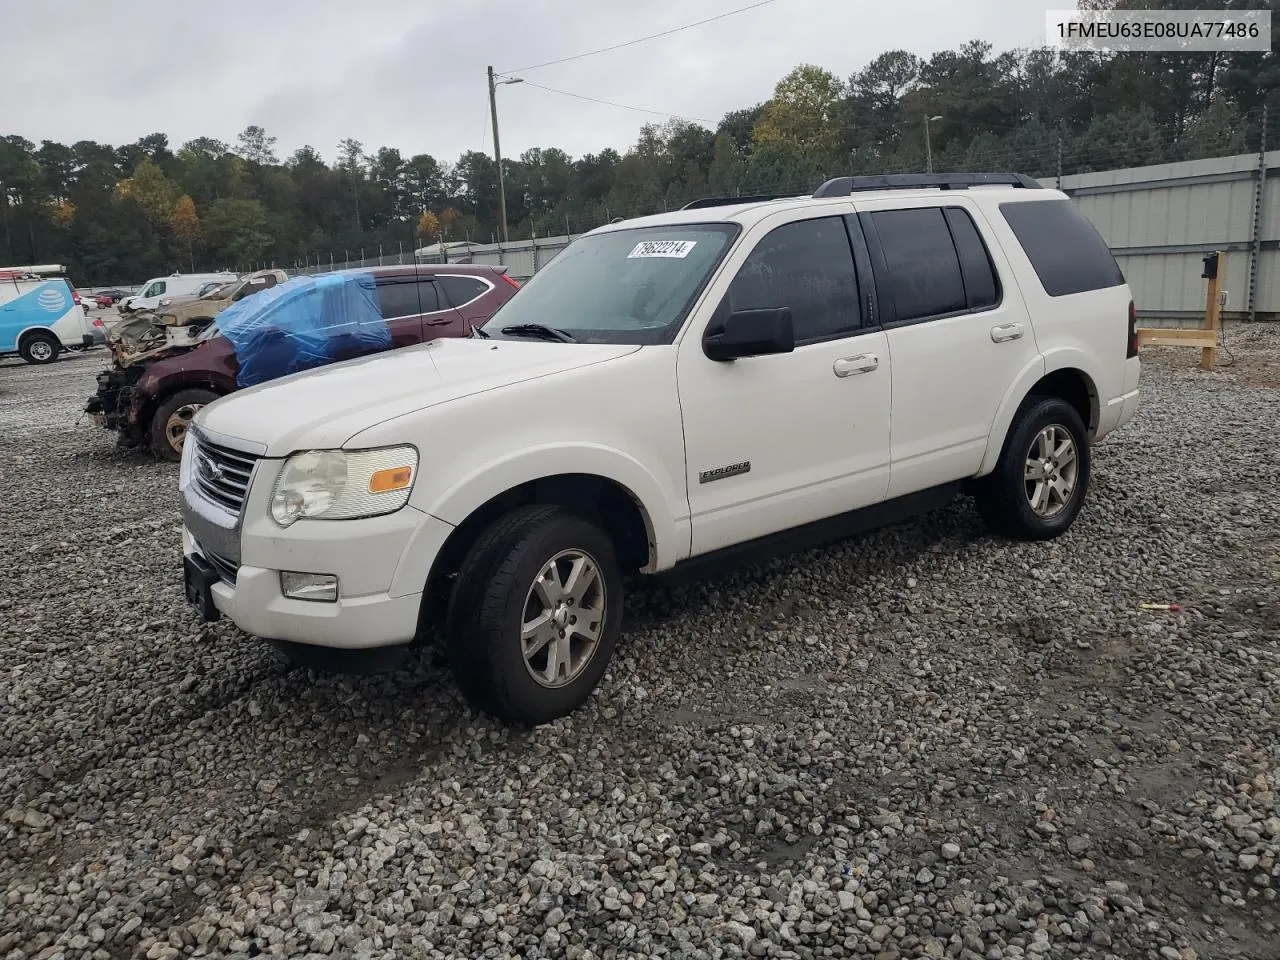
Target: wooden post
(1213,313)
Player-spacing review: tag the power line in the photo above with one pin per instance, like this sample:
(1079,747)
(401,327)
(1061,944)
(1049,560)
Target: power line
(621,106)
(653,36)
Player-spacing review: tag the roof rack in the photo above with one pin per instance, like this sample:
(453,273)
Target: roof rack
(726,201)
(844,186)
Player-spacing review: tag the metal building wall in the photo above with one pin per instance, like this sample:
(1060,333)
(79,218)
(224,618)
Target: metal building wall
(1160,220)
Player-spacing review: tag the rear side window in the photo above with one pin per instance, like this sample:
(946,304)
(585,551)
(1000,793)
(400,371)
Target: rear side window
(981,287)
(1067,252)
(459,290)
(398,299)
(924,269)
(428,296)
(807,266)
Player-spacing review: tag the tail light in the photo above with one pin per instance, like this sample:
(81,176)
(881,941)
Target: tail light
(511,281)
(1132,351)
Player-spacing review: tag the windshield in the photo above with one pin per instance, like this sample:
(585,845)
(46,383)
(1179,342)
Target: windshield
(624,286)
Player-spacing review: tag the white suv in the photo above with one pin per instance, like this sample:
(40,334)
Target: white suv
(667,389)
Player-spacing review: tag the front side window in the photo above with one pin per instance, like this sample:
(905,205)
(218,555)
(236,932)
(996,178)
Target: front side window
(924,276)
(157,287)
(808,267)
(622,286)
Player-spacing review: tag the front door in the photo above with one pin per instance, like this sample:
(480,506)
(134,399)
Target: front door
(773,442)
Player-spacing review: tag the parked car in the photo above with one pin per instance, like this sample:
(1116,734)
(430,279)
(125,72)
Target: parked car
(676,389)
(177,284)
(151,394)
(109,298)
(176,320)
(40,313)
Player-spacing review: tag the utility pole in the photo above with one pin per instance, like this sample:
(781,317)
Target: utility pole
(928,146)
(497,149)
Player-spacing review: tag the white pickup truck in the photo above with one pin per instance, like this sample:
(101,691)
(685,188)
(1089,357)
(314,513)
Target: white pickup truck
(732,375)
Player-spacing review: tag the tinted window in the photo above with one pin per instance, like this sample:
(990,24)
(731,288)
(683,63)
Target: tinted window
(460,290)
(428,299)
(1068,254)
(980,286)
(398,299)
(924,271)
(807,266)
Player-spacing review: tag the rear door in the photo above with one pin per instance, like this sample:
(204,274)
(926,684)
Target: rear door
(959,335)
(439,319)
(398,298)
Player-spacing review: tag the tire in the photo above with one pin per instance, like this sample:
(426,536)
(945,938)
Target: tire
(1005,497)
(496,594)
(177,411)
(39,347)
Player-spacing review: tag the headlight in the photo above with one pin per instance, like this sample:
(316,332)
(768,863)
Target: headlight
(343,484)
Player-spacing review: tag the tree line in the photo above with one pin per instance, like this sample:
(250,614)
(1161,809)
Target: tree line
(119,213)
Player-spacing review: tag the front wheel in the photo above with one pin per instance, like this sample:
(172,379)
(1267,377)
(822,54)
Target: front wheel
(172,418)
(1039,484)
(535,615)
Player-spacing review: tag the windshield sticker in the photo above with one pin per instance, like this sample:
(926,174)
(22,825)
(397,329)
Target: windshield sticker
(678,249)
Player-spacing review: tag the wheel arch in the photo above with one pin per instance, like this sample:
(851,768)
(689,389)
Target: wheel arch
(602,499)
(1068,379)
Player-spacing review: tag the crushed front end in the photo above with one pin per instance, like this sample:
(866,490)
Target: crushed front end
(114,405)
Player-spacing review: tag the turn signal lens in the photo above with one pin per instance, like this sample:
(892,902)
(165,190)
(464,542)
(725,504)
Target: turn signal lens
(384,481)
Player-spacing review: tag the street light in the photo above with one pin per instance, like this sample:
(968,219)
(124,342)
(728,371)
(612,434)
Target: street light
(497,149)
(928,147)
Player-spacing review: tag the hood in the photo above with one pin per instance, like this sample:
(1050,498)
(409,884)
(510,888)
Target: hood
(327,406)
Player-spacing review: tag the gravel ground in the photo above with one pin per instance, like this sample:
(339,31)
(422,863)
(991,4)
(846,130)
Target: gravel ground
(923,743)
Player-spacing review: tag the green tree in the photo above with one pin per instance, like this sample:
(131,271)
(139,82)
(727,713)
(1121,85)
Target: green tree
(151,190)
(806,113)
(236,232)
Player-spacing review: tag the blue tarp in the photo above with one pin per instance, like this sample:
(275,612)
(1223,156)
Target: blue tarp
(303,323)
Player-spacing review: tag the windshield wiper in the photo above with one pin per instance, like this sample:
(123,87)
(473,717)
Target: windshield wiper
(481,333)
(538,330)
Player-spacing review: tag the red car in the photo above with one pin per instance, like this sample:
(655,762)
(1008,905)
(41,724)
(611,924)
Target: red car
(157,383)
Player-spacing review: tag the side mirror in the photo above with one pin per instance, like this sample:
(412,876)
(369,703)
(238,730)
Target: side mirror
(751,333)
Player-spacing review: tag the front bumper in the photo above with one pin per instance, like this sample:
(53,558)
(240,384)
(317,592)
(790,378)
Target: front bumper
(381,564)
(113,406)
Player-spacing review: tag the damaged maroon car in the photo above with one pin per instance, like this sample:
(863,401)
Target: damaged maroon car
(157,384)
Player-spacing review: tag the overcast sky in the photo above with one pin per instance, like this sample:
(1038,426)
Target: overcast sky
(411,73)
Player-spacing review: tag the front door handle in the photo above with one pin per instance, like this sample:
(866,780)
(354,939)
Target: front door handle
(1006,331)
(439,321)
(848,366)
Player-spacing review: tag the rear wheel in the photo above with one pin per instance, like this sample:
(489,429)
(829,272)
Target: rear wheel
(39,347)
(173,417)
(535,615)
(1039,484)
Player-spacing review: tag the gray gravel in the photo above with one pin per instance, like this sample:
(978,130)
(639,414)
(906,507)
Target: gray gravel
(924,743)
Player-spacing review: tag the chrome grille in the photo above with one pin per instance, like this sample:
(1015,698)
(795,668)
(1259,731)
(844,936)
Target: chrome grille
(226,568)
(221,474)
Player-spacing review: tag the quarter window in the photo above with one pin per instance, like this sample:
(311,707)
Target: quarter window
(808,267)
(1066,250)
(459,290)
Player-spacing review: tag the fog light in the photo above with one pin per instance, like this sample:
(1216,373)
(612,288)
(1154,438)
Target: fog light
(309,586)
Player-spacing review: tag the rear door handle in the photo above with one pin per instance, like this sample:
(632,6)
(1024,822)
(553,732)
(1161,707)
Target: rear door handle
(848,366)
(1006,331)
